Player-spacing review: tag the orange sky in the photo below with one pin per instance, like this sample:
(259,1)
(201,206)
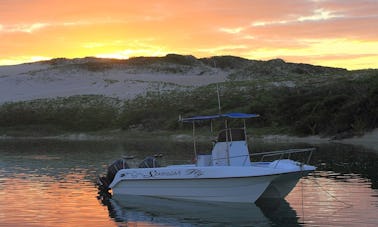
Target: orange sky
(339,33)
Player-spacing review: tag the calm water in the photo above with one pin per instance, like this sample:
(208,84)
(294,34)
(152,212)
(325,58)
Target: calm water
(51,183)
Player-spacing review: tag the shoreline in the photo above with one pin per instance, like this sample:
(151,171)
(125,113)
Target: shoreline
(369,140)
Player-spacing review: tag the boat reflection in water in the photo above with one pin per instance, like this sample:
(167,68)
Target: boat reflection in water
(144,210)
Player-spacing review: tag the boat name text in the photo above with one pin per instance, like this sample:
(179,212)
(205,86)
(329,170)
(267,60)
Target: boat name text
(163,173)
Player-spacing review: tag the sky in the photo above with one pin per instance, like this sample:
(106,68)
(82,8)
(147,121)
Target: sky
(336,33)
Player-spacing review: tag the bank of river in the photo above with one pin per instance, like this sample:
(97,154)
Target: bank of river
(369,140)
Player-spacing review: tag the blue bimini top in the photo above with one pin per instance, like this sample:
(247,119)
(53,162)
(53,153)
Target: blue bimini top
(217,116)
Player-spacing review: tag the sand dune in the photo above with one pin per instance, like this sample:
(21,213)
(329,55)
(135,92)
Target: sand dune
(43,80)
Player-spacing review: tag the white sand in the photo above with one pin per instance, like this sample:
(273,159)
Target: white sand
(41,80)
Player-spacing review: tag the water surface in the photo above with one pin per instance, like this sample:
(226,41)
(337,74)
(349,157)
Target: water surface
(51,183)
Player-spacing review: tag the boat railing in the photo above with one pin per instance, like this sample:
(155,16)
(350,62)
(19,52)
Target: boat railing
(285,154)
(244,162)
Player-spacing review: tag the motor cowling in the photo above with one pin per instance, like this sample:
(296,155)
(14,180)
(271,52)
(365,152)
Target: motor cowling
(112,170)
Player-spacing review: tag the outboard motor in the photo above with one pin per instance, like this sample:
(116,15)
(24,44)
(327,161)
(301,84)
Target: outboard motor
(149,162)
(104,182)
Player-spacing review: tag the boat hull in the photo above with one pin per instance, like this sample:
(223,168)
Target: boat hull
(221,184)
(243,189)
(242,184)
(280,187)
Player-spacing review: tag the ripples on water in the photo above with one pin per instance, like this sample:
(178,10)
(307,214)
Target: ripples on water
(51,183)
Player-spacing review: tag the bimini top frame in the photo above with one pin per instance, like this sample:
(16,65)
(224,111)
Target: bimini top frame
(225,116)
(218,116)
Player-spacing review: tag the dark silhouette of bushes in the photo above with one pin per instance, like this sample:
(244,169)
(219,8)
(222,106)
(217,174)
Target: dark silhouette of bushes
(339,107)
(73,113)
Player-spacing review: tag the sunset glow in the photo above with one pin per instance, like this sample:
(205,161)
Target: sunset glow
(337,33)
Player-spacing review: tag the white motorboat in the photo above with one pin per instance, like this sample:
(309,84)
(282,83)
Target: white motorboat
(225,175)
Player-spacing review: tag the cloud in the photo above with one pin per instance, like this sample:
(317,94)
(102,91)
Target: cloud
(35,26)
(232,30)
(26,28)
(318,15)
(267,23)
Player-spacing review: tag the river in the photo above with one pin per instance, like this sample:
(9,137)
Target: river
(51,183)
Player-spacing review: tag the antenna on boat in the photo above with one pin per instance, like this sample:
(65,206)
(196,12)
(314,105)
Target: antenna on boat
(219,102)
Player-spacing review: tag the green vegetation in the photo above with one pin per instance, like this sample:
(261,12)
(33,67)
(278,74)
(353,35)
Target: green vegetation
(340,106)
(76,113)
(291,98)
